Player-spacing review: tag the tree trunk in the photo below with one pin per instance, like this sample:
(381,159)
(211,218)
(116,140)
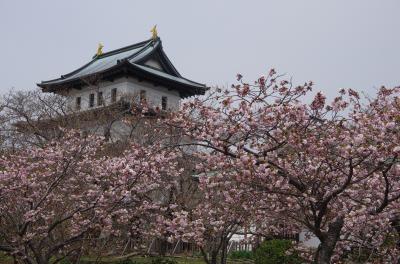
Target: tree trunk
(328,242)
(396,225)
(224,248)
(214,257)
(205,256)
(256,244)
(42,260)
(163,247)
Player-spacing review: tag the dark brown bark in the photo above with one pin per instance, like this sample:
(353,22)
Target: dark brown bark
(224,252)
(211,258)
(204,254)
(396,225)
(214,257)
(163,247)
(328,242)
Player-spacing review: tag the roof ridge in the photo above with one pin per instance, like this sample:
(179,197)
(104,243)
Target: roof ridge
(126,48)
(107,54)
(153,42)
(169,62)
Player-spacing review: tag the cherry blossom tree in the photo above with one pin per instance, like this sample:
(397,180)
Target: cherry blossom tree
(55,199)
(30,118)
(220,212)
(225,206)
(330,168)
(346,169)
(265,160)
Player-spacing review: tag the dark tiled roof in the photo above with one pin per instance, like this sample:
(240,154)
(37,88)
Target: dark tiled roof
(129,60)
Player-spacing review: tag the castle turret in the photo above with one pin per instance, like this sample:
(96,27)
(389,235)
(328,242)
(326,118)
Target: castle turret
(141,70)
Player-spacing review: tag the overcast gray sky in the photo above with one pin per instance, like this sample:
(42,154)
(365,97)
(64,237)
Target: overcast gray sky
(337,44)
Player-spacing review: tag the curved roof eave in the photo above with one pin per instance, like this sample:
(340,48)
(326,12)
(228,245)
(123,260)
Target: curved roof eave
(145,72)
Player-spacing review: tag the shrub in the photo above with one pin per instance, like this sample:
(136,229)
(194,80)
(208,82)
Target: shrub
(274,252)
(241,254)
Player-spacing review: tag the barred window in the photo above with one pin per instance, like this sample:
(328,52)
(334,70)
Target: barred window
(100,98)
(164,103)
(91,100)
(78,103)
(142,96)
(114,95)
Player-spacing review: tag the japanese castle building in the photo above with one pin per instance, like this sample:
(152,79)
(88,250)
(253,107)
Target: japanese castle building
(141,71)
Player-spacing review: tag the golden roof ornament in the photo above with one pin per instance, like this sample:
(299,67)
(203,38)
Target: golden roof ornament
(154,32)
(99,49)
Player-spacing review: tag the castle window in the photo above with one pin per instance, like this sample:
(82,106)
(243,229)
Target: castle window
(91,100)
(78,103)
(142,96)
(113,95)
(99,98)
(164,102)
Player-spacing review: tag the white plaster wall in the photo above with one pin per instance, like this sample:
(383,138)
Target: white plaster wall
(104,87)
(126,88)
(153,93)
(239,237)
(308,239)
(153,63)
(119,130)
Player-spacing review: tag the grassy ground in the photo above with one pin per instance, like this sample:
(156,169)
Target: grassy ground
(134,260)
(147,260)
(139,260)
(5,259)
